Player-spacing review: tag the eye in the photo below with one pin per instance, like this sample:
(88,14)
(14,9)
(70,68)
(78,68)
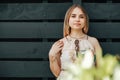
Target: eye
(82,16)
(73,16)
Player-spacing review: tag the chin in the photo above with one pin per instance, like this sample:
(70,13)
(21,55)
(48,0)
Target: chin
(77,27)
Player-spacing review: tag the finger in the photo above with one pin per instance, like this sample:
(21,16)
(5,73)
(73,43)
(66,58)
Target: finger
(57,42)
(60,45)
(61,48)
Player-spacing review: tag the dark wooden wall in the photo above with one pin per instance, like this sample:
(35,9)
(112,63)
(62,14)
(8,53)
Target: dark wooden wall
(28,28)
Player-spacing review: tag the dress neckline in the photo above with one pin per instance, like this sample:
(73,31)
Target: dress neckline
(85,37)
(82,37)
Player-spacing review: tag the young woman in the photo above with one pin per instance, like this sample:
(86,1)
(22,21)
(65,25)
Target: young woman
(75,41)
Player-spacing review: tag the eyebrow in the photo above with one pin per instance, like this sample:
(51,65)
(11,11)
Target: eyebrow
(80,14)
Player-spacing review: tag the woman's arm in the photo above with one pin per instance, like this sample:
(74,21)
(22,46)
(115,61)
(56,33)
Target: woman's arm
(98,52)
(54,57)
(55,64)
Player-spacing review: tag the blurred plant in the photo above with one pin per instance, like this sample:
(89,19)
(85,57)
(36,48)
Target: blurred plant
(108,70)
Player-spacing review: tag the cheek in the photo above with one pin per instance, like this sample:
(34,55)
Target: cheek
(83,22)
(70,22)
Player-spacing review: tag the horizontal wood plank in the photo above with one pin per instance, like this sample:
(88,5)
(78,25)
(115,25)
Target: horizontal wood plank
(30,30)
(104,30)
(24,50)
(107,11)
(40,50)
(110,47)
(37,11)
(33,11)
(25,69)
(54,30)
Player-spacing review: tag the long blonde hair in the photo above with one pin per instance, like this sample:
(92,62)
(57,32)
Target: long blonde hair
(66,28)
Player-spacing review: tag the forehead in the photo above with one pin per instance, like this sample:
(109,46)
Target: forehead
(77,11)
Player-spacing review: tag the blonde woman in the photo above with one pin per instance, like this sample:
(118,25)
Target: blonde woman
(75,41)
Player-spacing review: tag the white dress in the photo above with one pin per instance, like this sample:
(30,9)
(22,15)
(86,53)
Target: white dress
(68,55)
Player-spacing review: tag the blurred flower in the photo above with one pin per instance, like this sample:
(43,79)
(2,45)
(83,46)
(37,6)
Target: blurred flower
(116,73)
(82,69)
(88,60)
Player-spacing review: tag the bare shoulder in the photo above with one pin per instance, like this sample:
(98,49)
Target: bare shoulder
(62,39)
(96,44)
(93,40)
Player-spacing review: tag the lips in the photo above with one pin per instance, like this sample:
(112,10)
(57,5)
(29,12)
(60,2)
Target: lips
(77,24)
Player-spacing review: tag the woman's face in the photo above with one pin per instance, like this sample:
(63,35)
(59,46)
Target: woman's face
(77,19)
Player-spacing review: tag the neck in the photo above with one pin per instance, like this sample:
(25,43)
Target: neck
(77,35)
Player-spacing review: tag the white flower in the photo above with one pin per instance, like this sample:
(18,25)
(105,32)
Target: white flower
(75,69)
(88,59)
(106,78)
(116,74)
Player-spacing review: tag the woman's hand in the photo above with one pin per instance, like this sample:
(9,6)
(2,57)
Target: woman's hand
(56,48)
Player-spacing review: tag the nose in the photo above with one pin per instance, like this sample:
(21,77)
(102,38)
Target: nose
(77,19)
